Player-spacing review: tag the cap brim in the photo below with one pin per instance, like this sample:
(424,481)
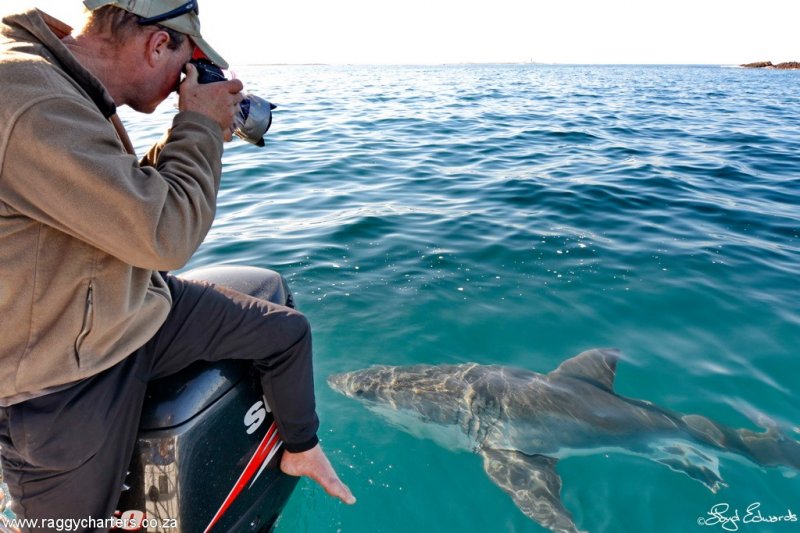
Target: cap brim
(209,52)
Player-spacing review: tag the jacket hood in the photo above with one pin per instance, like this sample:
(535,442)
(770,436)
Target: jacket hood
(36,32)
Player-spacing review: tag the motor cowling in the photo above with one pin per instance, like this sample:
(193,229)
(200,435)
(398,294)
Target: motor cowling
(207,453)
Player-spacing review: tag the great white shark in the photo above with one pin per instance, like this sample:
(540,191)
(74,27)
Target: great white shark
(522,423)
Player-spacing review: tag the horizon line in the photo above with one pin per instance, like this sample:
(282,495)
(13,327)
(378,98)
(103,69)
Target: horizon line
(458,63)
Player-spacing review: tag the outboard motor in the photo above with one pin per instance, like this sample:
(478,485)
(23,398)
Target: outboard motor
(208,453)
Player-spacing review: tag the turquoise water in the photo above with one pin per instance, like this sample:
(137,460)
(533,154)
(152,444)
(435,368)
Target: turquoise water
(518,215)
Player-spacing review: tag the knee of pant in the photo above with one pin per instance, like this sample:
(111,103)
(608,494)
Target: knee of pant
(301,324)
(294,328)
(291,341)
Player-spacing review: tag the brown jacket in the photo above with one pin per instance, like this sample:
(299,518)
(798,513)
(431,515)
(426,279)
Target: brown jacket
(84,226)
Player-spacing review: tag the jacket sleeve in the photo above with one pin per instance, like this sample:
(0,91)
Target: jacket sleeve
(65,167)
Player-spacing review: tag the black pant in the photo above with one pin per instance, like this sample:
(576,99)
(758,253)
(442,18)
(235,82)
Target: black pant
(65,455)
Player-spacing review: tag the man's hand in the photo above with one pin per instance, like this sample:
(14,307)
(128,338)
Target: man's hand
(314,464)
(218,100)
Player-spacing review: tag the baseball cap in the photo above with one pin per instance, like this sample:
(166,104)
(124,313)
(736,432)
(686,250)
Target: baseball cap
(178,15)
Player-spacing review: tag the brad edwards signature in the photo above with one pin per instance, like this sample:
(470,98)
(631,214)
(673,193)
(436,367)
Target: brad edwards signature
(728,518)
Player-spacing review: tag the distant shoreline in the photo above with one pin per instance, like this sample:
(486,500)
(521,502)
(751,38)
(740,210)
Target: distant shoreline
(789,65)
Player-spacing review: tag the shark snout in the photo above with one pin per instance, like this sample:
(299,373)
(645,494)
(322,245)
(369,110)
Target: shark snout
(337,382)
(365,384)
(351,384)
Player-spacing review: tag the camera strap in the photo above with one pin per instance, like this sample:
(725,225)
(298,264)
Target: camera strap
(122,134)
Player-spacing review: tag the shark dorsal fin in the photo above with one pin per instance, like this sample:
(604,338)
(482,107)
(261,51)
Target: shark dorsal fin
(598,365)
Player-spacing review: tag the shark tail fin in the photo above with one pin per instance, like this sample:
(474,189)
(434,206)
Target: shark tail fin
(772,447)
(598,366)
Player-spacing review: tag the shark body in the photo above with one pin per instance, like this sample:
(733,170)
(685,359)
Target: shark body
(522,423)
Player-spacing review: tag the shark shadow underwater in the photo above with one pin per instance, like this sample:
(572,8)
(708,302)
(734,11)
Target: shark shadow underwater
(522,423)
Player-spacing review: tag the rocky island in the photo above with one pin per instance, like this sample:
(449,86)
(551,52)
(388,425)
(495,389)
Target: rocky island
(790,65)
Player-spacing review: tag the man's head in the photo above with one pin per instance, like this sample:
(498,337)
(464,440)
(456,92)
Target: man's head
(146,44)
(178,15)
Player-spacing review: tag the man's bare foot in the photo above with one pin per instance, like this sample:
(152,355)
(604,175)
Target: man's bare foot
(314,464)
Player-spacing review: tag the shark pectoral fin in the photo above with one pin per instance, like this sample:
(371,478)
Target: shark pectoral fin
(533,484)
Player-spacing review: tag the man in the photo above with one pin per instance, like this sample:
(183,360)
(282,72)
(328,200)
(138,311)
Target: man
(88,315)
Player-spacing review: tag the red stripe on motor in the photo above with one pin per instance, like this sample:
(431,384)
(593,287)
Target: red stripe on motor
(262,452)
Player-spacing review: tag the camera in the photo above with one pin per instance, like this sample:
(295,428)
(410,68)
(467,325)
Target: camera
(255,114)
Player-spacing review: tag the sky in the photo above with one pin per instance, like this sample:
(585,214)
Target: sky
(485,31)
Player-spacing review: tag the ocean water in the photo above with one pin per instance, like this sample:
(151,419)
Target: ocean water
(518,215)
